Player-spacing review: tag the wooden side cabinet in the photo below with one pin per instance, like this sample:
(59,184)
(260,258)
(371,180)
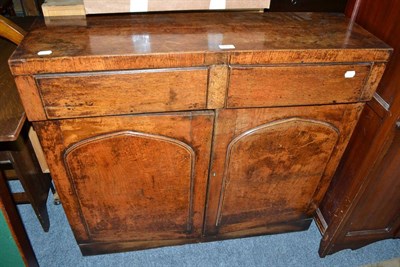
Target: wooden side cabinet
(362,205)
(156,135)
(132,178)
(366,209)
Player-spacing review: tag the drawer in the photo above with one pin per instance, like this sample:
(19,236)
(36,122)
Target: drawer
(122,92)
(269,86)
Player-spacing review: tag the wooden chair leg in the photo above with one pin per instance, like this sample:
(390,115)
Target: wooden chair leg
(35,183)
(11,215)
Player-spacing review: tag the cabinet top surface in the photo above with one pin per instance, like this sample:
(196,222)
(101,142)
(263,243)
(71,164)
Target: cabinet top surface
(171,34)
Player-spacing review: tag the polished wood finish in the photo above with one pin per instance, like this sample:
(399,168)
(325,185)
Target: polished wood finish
(96,94)
(134,181)
(263,159)
(381,221)
(92,48)
(295,85)
(185,40)
(11,31)
(362,203)
(217,86)
(153,189)
(12,114)
(381,19)
(30,97)
(374,79)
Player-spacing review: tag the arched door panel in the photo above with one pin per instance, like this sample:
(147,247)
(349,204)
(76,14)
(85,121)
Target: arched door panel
(130,182)
(270,167)
(272,171)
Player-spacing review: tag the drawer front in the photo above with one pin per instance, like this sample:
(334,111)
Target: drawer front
(124,92)
(269,86)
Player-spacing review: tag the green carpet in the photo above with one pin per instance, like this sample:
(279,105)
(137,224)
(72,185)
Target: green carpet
(9,254)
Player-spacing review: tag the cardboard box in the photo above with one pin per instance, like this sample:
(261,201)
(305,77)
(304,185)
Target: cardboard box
(63,8)
(123,6)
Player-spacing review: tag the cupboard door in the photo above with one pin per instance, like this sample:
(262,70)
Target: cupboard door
(125,180)
(377,214)
(270,167)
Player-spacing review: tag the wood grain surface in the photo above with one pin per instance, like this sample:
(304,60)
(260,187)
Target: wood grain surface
(11,31)
(12,114)
(112,93)
(273,165)
(361,205)
(146,171)
(30,97)
(288,153)
(381,19)
(217,86)
(269,166)
(270,86)
(153,189)
(183,40)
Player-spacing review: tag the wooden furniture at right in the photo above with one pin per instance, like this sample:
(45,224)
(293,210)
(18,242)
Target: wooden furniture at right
(362,205)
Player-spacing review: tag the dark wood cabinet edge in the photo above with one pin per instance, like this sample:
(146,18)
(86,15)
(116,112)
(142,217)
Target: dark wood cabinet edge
(329,244)
(368,232)
(280,227)
(89,249)
(17,131)
(353,245)
(335,238)
(31,67)
(398,232)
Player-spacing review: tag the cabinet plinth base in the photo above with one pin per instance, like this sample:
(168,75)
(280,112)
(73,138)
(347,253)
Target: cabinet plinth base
(91,249)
